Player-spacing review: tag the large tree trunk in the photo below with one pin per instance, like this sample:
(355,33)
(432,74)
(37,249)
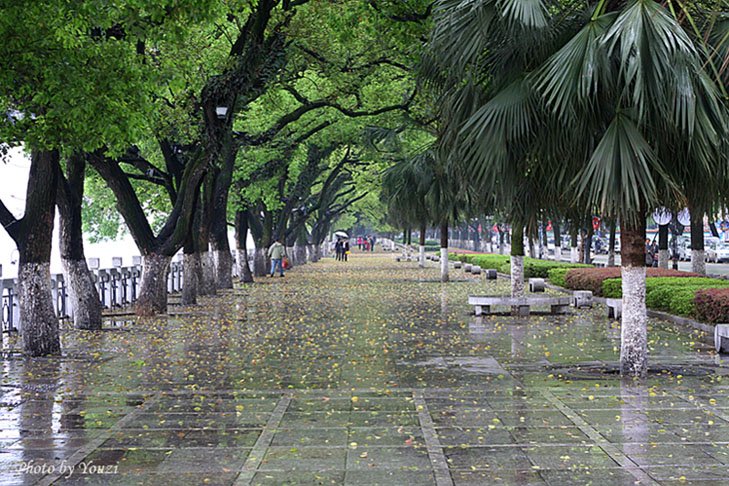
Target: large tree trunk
(190,271)
(37,315)
(84,298)
(634,340)
(517,260)
(300,252)
(153,290)
(698,263)
(32,235)
(206,284)
(444,252)
(663,246)
(259,263)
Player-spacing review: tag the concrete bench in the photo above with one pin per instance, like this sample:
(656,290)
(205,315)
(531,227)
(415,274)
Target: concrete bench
(467,267)
(476,270)
(490,273)
(483,303)
(582,299)
(614,308)
(457,264)
(721,337)
(536,285)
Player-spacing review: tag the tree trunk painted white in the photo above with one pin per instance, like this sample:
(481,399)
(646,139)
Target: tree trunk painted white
(574,254)
(223,269)
(698,264)
(291,256)
(191,271)
(311,253)
(259,262)
(611,257)
(517,276)
(634,338)
(152,298)
(300,252)
(206,277)
(444,264)
(82,293)
(244,271)
(39,324)
(663,258)
(317,253)
(557,254)
(421,260)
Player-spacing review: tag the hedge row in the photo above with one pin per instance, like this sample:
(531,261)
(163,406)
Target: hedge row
(533,268)
(670,294)
(592,278)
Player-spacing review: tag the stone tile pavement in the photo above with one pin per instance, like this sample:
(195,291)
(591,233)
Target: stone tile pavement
(363,373)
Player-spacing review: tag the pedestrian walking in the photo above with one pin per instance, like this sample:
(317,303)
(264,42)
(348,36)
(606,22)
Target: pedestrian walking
(338,249)
(345,249)
(276,252)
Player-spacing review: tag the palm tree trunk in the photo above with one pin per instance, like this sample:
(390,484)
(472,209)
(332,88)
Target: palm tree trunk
(663,246)
(698,264)
(444,251)
(634,340)
(611,243)
(574,251)
(557,241)
(421,261)
(517,260)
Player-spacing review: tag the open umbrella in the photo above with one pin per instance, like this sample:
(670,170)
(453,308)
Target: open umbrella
(341,234)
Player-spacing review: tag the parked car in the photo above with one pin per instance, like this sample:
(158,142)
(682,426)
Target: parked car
(722,252)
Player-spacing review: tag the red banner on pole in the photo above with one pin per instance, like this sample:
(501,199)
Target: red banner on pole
(595,223)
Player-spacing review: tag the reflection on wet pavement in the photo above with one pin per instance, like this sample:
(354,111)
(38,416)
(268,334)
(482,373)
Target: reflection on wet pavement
(365,373)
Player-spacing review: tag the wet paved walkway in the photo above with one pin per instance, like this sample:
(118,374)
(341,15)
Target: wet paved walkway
(363,373)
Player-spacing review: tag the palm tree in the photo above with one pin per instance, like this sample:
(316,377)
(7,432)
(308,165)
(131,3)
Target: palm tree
(610,91)
(404,188)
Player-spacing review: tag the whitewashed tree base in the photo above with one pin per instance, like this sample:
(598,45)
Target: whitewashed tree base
(634,334)
(37,314)
(698,264)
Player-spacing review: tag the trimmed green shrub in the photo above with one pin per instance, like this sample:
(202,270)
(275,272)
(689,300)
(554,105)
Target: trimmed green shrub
(487,261)
(612,287)
(712,305)
(534,268)
(556,276)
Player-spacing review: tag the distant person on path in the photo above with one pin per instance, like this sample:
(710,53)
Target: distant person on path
(276,252)
(359,242)
(338,249)
(345,249)
(372,243)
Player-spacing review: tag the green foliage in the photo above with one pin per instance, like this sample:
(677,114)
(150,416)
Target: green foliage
(534,268)
(556,276)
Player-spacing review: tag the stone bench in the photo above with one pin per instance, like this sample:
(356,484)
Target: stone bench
(475,270)
(536,285)
(721,338)
(457,264)
(467,267)
(483,303)
(490,273)
(614,308)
